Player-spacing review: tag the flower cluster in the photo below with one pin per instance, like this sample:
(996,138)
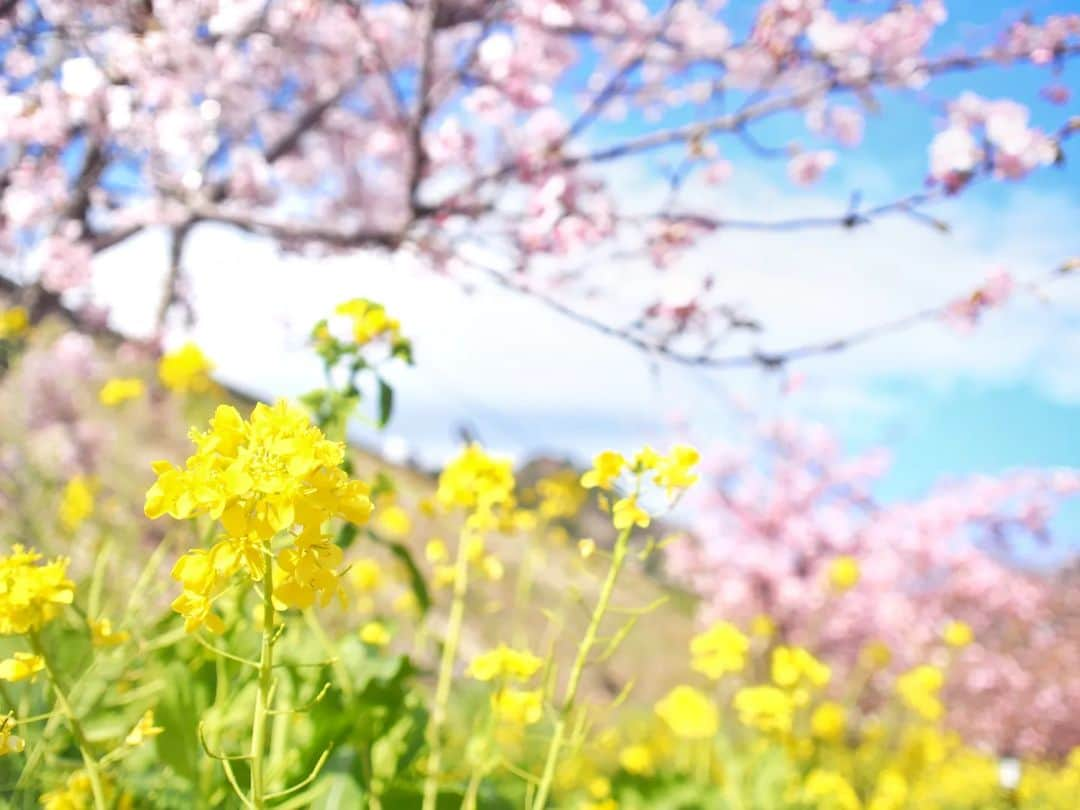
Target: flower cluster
(673,473)
(478,483)
(186,370)
(272,476)
(31,594)
(119,390)
(504,665)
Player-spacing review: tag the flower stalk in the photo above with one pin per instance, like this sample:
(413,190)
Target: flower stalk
(260,723)
(446,674)
(618,558)
(93,772)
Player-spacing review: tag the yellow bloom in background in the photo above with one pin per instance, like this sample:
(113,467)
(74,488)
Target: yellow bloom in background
(607,466)
(186,370)
(518,707)
(9,743)
(369,320)
(77,502)
(674,471)
(476,481)
(689,713)
(14,322)
(626,513)
(719,650)
(876,655)
(918,688)
(143,730)
(958,634)
(394,522)
(561,495)
(120,389)
(75,795)
(829,722)
(827,790)
(504,663)
(366,575)
(637,759)
(586,547)
(375,634)
(31,594)
(436,551)
(20,666)
(843,573)
(765,708)
(890,792)
(103,635)
(492,568)
(796,666)
(763,626)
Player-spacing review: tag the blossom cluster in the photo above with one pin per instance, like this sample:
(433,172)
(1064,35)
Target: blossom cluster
(274,476)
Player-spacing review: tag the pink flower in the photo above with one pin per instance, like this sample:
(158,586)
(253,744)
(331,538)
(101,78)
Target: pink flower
(806,168)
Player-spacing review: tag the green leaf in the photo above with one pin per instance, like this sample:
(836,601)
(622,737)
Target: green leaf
(386,402)
(417,583)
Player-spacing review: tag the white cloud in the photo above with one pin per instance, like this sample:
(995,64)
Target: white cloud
(524,377)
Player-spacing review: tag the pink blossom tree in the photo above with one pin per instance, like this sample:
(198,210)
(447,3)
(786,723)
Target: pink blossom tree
(456,130)
(772,519)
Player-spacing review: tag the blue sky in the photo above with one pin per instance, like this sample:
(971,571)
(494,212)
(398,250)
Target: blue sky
(947,405)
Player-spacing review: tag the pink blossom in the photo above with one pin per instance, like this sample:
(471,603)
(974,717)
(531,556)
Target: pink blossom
(806,168)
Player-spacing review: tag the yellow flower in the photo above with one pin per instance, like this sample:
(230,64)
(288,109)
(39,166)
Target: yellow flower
(637,759)
(375,634)
(143,730)
(186,370)
(689,713)
(890,793)
(503,663)
(102,634)
(828,790)
(794,666)
(271,475)
(843,573)
(586,547)
(394,522)
(626,513)
(518,707)
(121,389)
(763,626)
(77,794)
(77,502)
(674,471)
(765,708)
(366,575)
(476,481)
(21,666)
(13,323)
(369,320)
(918,689)
(958,634)
(561,495)
(31,594)
(607,466)
(719,650)
(876,655)
(436,551)
(829,721)
(9,743)
(492,567)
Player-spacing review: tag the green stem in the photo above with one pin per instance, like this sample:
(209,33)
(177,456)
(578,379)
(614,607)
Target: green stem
(262,699)
(618,557)
(446,673)
(89,763)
